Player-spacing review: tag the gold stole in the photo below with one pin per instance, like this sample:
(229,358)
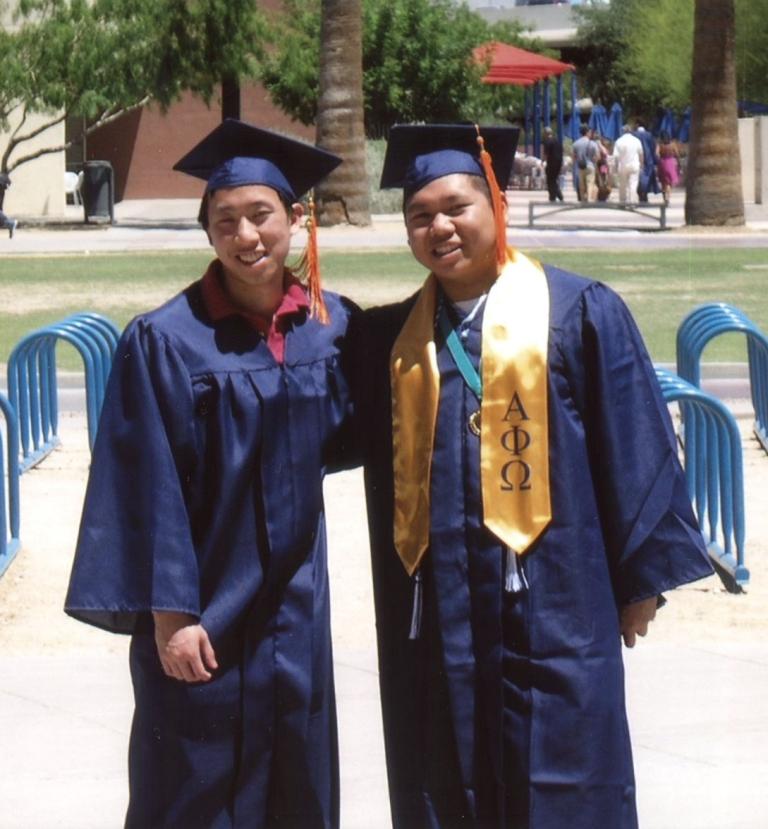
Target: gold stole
(514,448)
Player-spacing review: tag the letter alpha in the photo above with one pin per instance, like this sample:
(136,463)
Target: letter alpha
(516,406)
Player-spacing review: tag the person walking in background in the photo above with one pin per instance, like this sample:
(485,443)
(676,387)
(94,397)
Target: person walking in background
(668,165)
(203,529)
(628,152)
(553,157)
(603,183)
(6,221)
(647,182)
(584,153)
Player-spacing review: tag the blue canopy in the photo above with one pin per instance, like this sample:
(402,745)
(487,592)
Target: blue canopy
(615,122)
(575,120)
(753,108)
(667,123)
(598,119)
(684,130)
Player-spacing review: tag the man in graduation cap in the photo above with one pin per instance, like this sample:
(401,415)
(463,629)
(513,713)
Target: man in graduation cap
(203,529)
(526,507)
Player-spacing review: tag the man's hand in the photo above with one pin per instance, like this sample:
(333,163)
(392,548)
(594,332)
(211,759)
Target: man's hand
(183,646)
(635,619)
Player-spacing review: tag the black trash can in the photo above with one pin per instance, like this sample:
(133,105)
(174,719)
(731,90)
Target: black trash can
(98,191)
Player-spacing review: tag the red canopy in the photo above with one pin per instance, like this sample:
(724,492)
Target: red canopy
(510,64)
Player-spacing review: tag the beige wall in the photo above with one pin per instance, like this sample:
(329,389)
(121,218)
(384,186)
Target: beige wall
(747,152)
(753,146)
(38,186)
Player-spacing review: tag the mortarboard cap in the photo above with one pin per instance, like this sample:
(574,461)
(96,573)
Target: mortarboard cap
(236,153)
(420,153)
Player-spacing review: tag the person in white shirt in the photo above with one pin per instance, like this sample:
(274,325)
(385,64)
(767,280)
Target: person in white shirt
(628,152)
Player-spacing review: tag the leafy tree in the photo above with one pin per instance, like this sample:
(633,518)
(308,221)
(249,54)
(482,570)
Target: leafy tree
(640,52)
(659,77)
(291,70)
(101,59)
(417,63)
(604,30)
(750,52)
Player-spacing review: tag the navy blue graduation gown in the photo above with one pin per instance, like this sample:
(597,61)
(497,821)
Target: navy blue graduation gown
(508,709)
(647,182)
(205,496)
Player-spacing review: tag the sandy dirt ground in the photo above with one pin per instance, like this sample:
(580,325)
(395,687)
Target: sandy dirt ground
(37,637)
(32,590)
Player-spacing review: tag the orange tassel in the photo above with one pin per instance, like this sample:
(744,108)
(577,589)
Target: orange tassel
(317,307)
(499,211)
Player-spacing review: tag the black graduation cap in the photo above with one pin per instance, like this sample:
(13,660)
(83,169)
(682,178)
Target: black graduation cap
(236,153)
(419,153)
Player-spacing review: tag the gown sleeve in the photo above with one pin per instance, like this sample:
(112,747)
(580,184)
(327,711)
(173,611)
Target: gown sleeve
(652,536)
(342,450)
(135,551)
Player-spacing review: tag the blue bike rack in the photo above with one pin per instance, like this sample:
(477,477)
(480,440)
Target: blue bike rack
(714,474)
(32,384)
(708,321)
(10,541)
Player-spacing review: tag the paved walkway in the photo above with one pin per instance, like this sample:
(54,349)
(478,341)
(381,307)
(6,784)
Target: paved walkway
(171,224)
(697,692)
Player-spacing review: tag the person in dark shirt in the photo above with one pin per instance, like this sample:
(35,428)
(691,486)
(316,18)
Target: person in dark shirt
(5,220)
(553,156)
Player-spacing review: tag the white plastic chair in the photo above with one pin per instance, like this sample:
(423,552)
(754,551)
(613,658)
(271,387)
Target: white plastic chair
(72,184)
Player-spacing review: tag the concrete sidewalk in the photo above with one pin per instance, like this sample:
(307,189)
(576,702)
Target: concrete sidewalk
(171,224)
(698,716)
(697,697)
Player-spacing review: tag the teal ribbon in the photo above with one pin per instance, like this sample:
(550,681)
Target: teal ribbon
(463,363)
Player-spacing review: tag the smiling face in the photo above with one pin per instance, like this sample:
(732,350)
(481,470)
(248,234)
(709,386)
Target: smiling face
(451,231)
(250,230)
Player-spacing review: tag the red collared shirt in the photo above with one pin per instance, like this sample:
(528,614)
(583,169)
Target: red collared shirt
(219,306)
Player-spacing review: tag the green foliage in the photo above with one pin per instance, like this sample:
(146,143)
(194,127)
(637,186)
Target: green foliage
(751,54)
(380,201)
(417,63)
(101,58)
(640,52)
(604,30)
(660,77)
(291,70)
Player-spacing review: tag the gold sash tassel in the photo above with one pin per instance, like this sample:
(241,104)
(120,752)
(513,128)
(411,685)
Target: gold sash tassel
(514,450)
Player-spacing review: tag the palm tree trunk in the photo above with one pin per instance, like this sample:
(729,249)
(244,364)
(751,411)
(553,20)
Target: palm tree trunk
(713,177)
(343,196)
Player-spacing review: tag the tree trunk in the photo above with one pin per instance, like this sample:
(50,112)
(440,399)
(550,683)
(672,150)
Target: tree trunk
(230,97)
(343,196)
(713,193)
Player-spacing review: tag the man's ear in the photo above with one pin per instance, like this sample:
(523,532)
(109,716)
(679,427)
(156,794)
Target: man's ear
(295,217)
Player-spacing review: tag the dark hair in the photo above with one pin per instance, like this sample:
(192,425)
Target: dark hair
(584,129)
(478,182)
(202,213)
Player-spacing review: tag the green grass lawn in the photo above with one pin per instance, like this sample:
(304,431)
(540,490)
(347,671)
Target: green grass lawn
(659,286)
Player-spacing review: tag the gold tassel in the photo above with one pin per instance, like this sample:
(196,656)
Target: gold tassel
(317,307)
(499,212)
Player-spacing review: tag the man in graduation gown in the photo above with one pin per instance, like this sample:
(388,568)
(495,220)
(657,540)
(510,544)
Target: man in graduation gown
(526,507)
(647,181)
(203,532)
